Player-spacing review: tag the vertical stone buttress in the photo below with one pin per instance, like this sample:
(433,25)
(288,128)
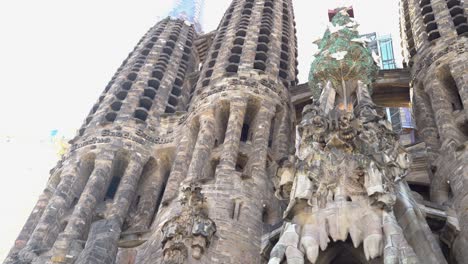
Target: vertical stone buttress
(109,184)
(434,34)
(238,125)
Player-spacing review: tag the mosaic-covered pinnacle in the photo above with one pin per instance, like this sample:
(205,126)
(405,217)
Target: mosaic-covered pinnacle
(188,10)
(342,55)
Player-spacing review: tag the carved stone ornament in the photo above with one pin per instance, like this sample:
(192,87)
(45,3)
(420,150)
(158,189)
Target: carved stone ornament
(191,231)
(346,168)
(343,185)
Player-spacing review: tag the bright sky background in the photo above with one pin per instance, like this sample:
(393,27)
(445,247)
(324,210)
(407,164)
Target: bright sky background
(57,56)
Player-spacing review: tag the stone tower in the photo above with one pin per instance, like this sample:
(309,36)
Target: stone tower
(113,177)
(435,41)
(238,127)
(203,148)
(176,159)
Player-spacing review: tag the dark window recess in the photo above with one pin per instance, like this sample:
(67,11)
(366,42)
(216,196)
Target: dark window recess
(141,114)
(110,117)
(169,110)
(272,131)
(241,163)
(245,133)
(112,190)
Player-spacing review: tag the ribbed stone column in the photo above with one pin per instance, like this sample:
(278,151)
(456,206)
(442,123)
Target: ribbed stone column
(283,135)
(152,188)
(30,225)
(414,225)
(443,112)
(260,142)
(105,234)
(233,134)
(81,217)
(459,186)
(417,25)
(49,225)
(443,18)
(427,127)
(127,188)
(460,75)
(204,145)
(181,162)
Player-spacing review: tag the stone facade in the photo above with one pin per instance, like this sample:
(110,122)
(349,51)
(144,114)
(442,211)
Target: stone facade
(435,35)
(177,161)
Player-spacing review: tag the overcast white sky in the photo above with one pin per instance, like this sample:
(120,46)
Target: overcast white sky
(57,56)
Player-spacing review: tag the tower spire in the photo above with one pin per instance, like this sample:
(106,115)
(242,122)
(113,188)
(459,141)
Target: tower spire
(188,10)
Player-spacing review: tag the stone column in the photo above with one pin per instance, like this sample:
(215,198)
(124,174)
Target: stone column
(36,213)
(181,163)
(417,232)
(127,189)
(449,134)
(152,188)
(444,19)
(425,121)
(282,142)
(49,225)
(459,185)
(204,145)
(233,134)
(105,234)
(459,73)
(417,25)
(67,245)
(260,144)
(30,225)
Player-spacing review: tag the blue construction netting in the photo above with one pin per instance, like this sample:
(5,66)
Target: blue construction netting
(188,10)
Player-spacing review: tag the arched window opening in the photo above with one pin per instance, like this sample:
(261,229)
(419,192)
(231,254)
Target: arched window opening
(146,103)
(259,65)
(116,106)
(111,116)
(232,68)
(169,110)
(132,76)
(141,114)
(172,101)
(149,92)
(158,75)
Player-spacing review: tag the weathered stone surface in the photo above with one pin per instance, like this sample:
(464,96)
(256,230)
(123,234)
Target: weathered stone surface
(219,111)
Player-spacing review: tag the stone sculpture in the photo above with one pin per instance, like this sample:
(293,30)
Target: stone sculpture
(190,231)
(347,165)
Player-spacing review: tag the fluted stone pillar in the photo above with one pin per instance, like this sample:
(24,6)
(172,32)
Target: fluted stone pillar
(204,145)
(459,186)
(460,75)
(233,134)
(105,234)
(427,127)
(152,188)
(260,141)
(417,25)
(68,243)
(414,225)
(443,113)
(184,154)
(48,227)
